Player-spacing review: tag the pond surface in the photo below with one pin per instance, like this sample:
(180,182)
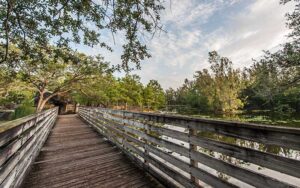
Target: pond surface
(290,120)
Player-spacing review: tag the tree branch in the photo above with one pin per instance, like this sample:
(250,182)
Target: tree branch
(6,28)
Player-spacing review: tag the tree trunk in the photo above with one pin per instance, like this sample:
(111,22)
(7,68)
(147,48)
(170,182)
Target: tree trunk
(43,101)
(41,98)
(42,105)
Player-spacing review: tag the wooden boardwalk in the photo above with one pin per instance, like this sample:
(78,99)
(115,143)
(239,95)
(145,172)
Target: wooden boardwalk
(76,156)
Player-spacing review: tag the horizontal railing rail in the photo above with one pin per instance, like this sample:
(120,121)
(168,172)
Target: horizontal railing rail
(191,152)
(20,143)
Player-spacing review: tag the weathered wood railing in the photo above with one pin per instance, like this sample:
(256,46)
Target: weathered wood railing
(189,152)
(20,143)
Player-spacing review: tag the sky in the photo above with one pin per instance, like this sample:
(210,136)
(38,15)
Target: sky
(237,29)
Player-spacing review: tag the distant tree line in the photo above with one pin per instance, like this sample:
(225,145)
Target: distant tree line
(223,89)
(271,83)
(126,93)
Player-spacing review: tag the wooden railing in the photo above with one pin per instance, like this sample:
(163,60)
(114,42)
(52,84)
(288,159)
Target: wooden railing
(20,143)
(191,152)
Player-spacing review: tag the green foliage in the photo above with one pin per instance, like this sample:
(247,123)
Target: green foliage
(64,23)
(187,98)
(99,90)
(272,87)
(53,70)
(293,21)
(274,80)
(22,99)
(223,86)
(26,108)
(214,90)
(12,91)
(266,85)
(153,95)
(127,92)
(131,91)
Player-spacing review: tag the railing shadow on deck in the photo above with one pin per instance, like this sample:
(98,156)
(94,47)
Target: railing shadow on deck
(20,143)
(188,152)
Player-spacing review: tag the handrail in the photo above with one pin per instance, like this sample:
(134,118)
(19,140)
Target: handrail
(20,143)
(189,152)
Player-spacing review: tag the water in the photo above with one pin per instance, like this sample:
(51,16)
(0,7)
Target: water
(261,117)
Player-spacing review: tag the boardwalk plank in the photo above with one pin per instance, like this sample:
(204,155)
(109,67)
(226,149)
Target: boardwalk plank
(76,156)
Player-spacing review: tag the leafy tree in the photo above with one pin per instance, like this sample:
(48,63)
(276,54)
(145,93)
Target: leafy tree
(170,96)
(12,91)
(271,86)
(223,87)
(217,89)
(274,80)
(25,108)
(62,23)
(196,100)
(288,58)
(108,91)
(131,91)
(264,79)
(189,99)
(99,90)
(4,82)
(153,94)
(183,91)
(293,21)
(57,72)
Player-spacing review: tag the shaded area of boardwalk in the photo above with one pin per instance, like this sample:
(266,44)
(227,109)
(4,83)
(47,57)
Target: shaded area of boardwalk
(76,156)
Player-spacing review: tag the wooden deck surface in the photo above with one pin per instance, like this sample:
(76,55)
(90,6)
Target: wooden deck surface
(76,156)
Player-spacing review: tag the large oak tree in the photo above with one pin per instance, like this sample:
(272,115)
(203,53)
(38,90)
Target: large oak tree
(58,71)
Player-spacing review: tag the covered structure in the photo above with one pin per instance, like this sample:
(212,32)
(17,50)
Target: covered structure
(64,102)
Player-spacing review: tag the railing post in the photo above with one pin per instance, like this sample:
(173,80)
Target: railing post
(146,152)
(124,140)
(90,114)
(192,147)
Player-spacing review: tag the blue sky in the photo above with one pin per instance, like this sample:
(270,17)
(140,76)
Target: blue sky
(238,29)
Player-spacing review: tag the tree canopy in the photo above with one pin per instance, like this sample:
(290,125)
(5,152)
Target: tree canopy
(56,70)
(61,23)
(127,92)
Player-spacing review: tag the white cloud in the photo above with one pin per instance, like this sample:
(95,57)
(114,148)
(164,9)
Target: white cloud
(237,29)
(260,27)
(239,35)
